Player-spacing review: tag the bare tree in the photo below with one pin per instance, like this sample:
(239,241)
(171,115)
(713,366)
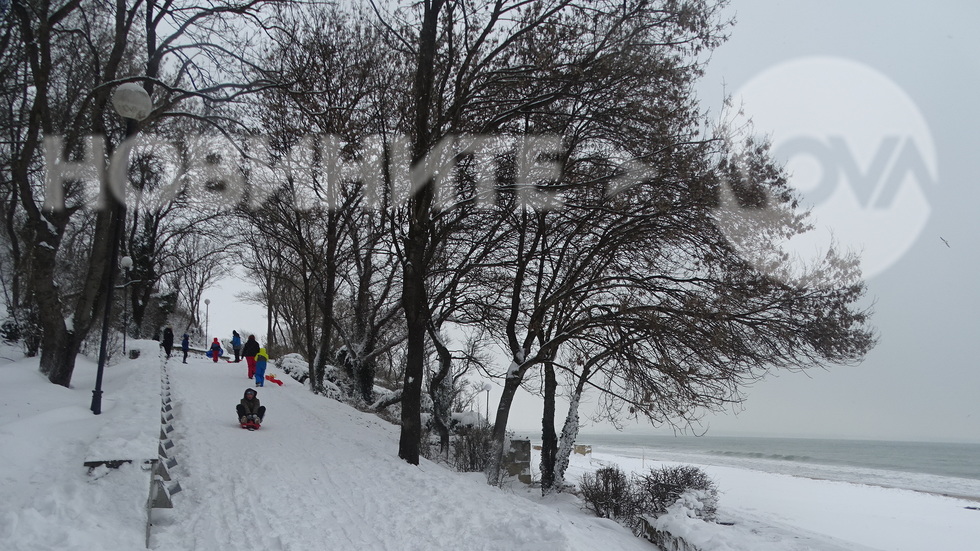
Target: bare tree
(331,82)
(490,68)
(198,262)
(72,102)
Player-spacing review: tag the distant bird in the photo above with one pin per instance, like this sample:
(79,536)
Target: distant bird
(944,241)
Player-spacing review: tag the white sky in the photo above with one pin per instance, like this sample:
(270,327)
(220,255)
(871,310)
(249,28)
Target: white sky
(922,381)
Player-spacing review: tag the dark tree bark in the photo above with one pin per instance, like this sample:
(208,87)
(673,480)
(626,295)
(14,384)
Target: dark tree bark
(417,244)
(549,438)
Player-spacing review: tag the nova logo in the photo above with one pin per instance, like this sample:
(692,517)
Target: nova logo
(875,185)
(857,149)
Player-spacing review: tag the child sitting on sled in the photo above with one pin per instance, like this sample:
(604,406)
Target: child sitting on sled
(249,409)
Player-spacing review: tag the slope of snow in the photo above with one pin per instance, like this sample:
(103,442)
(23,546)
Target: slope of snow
(317,475)
(320,475)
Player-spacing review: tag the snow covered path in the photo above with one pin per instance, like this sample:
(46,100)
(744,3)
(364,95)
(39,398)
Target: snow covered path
(320,475)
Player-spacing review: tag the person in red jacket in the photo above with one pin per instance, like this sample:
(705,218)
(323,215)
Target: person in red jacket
(249,350)
(216,350)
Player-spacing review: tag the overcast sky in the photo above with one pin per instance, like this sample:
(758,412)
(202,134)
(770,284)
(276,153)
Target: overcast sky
(895,82)
(884,97)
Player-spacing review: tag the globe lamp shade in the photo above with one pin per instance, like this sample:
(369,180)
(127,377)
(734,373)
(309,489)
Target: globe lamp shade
(132,101)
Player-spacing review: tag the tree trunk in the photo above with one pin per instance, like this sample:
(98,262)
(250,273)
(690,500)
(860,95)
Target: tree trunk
(140,296)
(549,439)
(499,434)
(326,304)
(58,352)
(323,350)
(365,333)
(569,432)
(62,342)
(414,297)
(440,397)
(270,317)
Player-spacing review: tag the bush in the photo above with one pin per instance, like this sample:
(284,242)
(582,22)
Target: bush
(471,446)
(294,365)
(609,493)
(10,331)
(660,489)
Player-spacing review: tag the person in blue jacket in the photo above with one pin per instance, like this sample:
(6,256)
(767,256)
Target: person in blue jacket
(236,345)
(261,359)
(185,345)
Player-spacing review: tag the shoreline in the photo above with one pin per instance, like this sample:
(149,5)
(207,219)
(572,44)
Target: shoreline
(769,510)
(693,460)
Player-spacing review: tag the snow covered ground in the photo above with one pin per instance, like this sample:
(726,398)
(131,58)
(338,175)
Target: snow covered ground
(320,475)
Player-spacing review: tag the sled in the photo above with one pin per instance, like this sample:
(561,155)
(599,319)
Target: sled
(250,425)
(273,379)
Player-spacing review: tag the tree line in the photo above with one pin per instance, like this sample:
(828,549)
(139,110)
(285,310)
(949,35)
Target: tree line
(554,211)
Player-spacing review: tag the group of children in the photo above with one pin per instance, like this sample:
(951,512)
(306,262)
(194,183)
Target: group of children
(250,411)
(255,356)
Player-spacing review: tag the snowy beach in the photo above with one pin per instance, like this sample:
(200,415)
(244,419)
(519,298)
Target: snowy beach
(951,469)
(781,511)
(320,475)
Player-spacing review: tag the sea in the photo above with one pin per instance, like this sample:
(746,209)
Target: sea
(943,468)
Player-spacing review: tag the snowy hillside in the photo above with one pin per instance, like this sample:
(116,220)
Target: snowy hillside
(317,475)
(320,475)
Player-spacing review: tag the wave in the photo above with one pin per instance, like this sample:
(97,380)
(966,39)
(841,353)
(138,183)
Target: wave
(761,455)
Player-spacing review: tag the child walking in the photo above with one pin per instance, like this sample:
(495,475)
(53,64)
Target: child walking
(260,361)
(250,349)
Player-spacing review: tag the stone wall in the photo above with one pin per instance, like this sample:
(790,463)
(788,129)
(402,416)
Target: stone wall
(517,460)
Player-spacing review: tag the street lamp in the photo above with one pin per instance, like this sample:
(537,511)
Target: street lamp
(207,304)
(132,103)
(487,387)
(126,263)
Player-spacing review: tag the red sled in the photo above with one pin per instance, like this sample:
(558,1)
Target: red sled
(250,425)
(273,379)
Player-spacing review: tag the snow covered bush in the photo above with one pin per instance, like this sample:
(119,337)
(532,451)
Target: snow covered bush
(662,488)
(9,331)
(295,366)
(681,526)
(609,493)
(639,501)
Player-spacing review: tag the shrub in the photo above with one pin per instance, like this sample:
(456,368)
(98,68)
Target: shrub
(632,501)
(10,331)
(609,493)
(471,446)
(294,365)
(660,489)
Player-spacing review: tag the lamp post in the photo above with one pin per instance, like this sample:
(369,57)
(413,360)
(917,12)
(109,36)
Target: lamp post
(207,306)
(486,388)
(126,263)
(132,103)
